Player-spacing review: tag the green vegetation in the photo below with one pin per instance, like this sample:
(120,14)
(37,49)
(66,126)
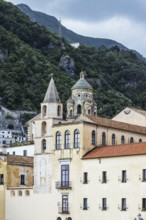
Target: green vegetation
(32,53)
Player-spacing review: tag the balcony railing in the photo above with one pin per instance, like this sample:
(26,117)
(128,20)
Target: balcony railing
(63,210)
(63,185)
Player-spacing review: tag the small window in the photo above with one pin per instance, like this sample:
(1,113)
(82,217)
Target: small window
(25,153)
(67,140)
(44,110)
(43,145)
(85,203)
(144,204)
(140,140)
(22,179)
(104,177)
(123,205)
(27,193)
(122,139)
(44,128)
(19,192)
(144,175)
(65,208)
(113,139)
(93,137)
(103,139)
(85,177)
(131,140)
(59,110)
(1,179)
(58,140)
(79,109)
(104,204)
(124,176)
(76,138)
(12,193)
(70,113)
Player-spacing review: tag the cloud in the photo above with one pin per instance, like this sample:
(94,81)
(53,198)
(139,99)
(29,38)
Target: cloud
(120,29)
(120,20)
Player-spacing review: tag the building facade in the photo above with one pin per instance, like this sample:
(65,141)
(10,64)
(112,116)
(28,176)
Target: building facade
(68,171)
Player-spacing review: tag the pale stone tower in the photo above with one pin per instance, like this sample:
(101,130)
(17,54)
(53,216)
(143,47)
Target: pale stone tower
(81,100)
(51,113)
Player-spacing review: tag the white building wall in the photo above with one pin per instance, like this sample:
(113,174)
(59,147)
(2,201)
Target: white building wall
(114,190)
(130,116)
(19,150)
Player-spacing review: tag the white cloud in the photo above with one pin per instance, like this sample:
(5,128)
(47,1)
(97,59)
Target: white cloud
(122,20)
(129,33)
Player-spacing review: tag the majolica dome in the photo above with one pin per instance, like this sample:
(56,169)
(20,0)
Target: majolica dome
(82,83)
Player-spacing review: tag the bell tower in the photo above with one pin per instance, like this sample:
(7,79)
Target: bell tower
(81,100)
(51,107)
(51,113)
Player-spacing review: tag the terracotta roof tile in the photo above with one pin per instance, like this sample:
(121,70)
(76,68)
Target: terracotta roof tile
(116,151)
(19,160)
(116,124)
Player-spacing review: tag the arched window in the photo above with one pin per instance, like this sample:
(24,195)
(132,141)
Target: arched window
(93,137)
(12,193)
(131,140)
(103,139)
(44,110)
(44,128)
(58,140)
(89,111)
(59,218)
(43,145)
(122,139)
(59,110)
(67,140)
(76,138)
(140,140)
(70,113)
(113,139)
(19,192)
(27,193)
(69,218)
(79,109)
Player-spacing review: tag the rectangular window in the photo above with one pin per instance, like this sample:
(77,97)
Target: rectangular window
(1,179)
(65,175)
(85,177)
(123,205)
(25,153)
(104,204)
(65,204)
(104,177)
(144,204)
(144,175)
(85,203)
(22,179)
(13,152)
(124,176)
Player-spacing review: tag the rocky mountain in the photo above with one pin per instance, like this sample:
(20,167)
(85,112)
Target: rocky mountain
(52,24)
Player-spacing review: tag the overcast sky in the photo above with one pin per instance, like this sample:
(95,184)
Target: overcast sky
(120,20)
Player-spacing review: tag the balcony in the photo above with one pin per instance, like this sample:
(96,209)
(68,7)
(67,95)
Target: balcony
(63,210)
(63,185)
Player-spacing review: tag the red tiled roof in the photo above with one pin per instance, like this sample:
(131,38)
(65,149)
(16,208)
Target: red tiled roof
(116,124)
(116,151)
(19,160)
